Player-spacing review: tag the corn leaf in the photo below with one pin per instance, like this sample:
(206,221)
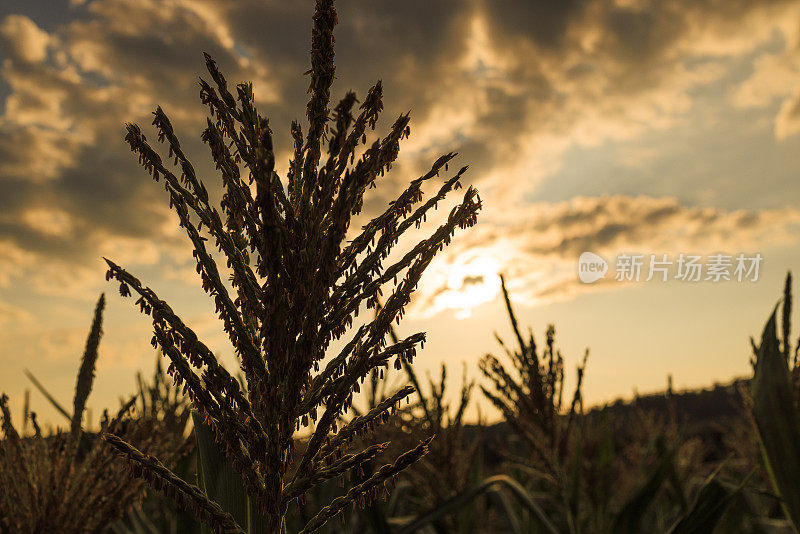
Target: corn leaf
(466,497)
(706,510)
(630,517)
(218,480)
(186,469)
(775,417)
(511,516)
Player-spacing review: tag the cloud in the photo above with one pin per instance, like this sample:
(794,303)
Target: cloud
(13,315)
(515,86)
(494,80)
(610,223)
(512,85)
(13,261)
(776,77)
(788,120)
(69,188)
(23,39)
(49,221)
(537,250)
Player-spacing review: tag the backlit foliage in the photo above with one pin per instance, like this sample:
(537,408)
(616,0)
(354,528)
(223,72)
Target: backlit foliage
(297,285)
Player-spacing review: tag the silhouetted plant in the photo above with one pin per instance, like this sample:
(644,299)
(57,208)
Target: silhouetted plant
(531,398)
(70,482)
(583,465)
(453,462)
(297,285)
(775,414)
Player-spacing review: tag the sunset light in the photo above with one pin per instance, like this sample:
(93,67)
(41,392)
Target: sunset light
(371,266)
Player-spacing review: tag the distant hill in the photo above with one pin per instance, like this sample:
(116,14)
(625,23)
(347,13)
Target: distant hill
(705,413)
(691,406)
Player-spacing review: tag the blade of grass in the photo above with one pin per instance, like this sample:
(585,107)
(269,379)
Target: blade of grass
(47,395)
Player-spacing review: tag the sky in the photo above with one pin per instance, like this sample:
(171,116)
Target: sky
(617,127)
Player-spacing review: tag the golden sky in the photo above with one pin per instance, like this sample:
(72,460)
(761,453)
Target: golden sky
(627,126)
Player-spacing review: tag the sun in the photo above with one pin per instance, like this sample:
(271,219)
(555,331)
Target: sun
(464,284)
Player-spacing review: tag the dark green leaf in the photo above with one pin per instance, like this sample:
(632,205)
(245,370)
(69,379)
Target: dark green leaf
(775,416)
(706,510)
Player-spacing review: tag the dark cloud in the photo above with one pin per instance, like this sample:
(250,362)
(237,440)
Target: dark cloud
(613,223)
(788,121)
(510,84)
(472,280)
(538,250)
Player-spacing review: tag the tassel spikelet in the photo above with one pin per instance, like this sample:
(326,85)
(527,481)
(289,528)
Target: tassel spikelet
(298,278)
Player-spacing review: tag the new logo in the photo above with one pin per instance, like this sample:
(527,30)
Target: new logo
(591,267)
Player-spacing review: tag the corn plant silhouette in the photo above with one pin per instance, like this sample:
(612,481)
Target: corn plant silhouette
(68,481)
(297,285)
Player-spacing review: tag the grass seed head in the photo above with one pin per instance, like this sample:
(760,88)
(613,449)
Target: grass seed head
(298,276)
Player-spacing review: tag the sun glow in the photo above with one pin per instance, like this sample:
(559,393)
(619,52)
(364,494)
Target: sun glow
(461,285)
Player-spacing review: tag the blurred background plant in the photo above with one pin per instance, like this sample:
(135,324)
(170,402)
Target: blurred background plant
(69,481)
(719,460)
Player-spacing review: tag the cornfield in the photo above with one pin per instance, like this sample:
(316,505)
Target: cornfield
(308,429)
